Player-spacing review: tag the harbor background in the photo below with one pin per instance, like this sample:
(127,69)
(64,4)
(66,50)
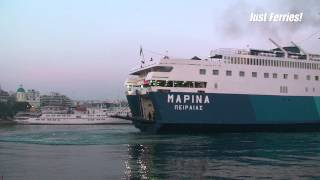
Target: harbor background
(122,152)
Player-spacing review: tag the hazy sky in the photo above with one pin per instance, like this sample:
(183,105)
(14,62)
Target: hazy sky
(85,49)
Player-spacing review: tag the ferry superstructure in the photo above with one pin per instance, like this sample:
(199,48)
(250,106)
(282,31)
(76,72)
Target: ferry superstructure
(231,90)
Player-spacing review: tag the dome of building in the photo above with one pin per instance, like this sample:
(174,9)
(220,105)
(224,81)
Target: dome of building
(20,89)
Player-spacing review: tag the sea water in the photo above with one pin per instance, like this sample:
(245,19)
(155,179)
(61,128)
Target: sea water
(122,152)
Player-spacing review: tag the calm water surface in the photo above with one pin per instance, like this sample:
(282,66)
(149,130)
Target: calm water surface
(122,152)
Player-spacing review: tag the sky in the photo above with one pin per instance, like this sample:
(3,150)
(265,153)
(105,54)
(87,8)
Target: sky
(85,49)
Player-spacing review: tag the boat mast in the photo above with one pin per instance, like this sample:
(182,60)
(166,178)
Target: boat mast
(283,50)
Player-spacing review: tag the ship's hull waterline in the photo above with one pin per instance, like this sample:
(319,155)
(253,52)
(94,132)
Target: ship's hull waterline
(213,112)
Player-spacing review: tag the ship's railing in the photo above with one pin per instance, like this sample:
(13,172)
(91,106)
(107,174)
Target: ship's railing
(229,51)
(314,57)
(144,64)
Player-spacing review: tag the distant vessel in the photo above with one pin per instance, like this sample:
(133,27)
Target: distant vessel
(231,90)
(90,116)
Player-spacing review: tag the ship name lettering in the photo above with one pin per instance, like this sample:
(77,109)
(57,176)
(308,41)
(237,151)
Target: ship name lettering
(194,99)
(181,107)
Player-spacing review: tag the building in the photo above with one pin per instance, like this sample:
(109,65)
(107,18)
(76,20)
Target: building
(55,99)
(21,94)
(4,96)
(33,98)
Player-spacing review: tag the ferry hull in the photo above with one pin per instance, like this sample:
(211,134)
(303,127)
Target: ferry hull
(180,112)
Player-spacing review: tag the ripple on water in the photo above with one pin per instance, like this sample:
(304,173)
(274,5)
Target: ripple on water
(76,135)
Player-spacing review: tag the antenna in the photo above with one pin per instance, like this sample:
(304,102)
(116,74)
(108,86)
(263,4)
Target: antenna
(141,52)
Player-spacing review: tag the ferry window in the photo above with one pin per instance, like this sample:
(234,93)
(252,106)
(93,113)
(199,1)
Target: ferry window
(275,75)
(283,89)
(202,71)
(241,73)
(295,76)
(266,75)
(178,83)
(169,83)
(308,77)
(161,83)
(162,69)
(200,84)
(285,76)
(254,74)
(188,84)
(215,72)
(228,73)
(316,78)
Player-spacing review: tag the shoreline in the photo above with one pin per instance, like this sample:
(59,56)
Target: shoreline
(6,122)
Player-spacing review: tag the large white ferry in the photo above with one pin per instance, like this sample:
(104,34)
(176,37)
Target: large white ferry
(231,90)
(90,116)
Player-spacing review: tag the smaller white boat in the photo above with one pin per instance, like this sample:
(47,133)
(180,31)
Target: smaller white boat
(91,116)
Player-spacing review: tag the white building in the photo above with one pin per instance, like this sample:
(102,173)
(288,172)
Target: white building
(31,96)
(21,94)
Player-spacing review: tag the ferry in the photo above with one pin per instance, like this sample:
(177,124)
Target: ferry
(231,90)
(90,116)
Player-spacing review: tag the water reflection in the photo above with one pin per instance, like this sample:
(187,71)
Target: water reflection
(239,156)
(114,152)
